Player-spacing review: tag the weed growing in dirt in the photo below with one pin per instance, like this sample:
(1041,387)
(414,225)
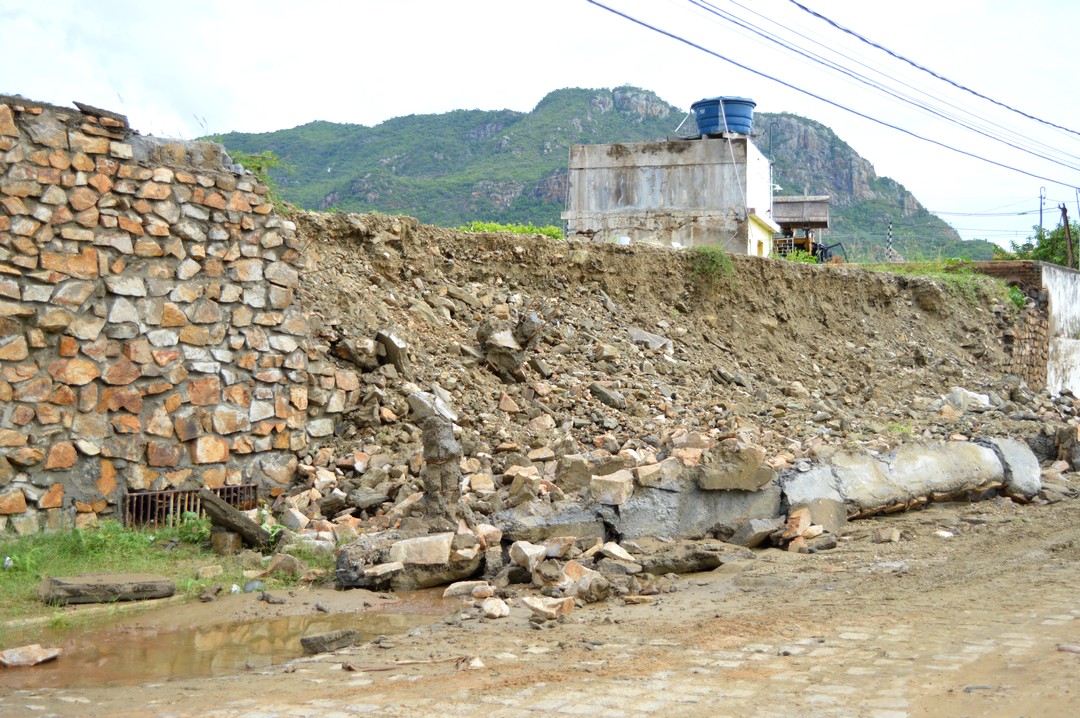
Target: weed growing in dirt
(530,228)
(710,265)
(900,429)
(259,165)
(1017,297)
(958,278)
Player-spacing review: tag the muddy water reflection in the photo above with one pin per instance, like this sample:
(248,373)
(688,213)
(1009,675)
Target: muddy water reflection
(121,656)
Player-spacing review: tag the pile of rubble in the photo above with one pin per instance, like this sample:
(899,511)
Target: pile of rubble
(519,392)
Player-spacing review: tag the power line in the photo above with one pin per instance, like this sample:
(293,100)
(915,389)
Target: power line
(834,103)
(976,118)
(862,79)
(927,70)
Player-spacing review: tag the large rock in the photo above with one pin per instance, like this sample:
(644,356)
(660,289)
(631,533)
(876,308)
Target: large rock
(660,557)
(734,465)
(331,641)
(416,576)
(613,489)
(668,475)
(28,655)
(392,561)
(527,554)
(753,532)
(817,491)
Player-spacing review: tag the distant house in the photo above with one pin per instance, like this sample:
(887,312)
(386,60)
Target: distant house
(712,191)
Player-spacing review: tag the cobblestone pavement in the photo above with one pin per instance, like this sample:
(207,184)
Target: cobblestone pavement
(856,670)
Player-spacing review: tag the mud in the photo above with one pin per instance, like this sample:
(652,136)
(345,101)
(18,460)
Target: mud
(963,616)
(233,634)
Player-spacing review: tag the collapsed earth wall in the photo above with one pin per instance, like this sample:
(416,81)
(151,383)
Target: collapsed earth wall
(162,327)
(150,336)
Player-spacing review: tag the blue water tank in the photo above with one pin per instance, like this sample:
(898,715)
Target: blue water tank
(711,113)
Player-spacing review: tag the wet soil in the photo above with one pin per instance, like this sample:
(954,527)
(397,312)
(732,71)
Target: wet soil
(966,615)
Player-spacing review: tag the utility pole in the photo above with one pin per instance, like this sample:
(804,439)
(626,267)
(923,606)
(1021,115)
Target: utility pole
(1068,237)
(888,244)
(1042,201)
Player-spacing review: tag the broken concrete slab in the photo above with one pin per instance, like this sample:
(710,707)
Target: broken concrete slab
(104,588)
(692,513)
(1023,477)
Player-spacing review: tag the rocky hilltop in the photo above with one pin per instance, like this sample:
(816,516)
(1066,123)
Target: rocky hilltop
(507,166)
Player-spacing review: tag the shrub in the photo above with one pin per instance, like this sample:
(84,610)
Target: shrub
(710,264)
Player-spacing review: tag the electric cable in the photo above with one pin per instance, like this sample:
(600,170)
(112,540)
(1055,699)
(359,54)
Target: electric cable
(927,70)
(821,98)
(1011,134)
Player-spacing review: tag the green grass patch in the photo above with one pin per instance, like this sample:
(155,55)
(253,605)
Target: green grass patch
(174,553)
(530,228)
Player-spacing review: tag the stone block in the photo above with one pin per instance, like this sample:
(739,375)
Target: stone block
(753,532)
(61,456)
(734,465)
(424,550)
(527,555)
(12,501)
(209,450)
(613,489)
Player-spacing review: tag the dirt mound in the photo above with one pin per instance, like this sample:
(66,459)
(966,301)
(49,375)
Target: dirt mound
(634,341)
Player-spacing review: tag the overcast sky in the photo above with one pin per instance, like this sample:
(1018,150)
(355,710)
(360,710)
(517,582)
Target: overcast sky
(199,67)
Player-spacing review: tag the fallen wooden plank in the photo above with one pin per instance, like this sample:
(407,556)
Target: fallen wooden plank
(104,588)
(223,515)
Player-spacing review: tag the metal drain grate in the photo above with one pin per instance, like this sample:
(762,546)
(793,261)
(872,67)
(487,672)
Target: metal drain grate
(166,508)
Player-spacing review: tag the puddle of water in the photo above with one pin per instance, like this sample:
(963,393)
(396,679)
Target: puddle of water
(133,655)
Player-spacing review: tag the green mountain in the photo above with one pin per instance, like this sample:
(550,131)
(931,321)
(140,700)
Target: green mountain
(506,166)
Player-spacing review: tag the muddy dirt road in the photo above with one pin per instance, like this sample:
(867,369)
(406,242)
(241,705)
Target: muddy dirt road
(973,613)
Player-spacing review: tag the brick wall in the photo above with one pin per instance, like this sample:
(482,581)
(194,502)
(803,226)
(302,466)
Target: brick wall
(150,335)
(1028,341)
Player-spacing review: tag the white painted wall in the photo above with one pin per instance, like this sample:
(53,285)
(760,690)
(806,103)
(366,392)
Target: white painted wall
(1063,365)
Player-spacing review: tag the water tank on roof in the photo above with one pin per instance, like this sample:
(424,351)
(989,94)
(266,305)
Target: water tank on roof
(724,114)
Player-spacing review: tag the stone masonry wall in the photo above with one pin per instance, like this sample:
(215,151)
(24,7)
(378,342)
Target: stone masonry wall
(150,336)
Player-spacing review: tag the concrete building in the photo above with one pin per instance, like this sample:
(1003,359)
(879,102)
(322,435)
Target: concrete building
(712,191)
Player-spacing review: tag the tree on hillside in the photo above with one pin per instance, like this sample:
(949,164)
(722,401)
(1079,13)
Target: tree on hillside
(1045,245)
